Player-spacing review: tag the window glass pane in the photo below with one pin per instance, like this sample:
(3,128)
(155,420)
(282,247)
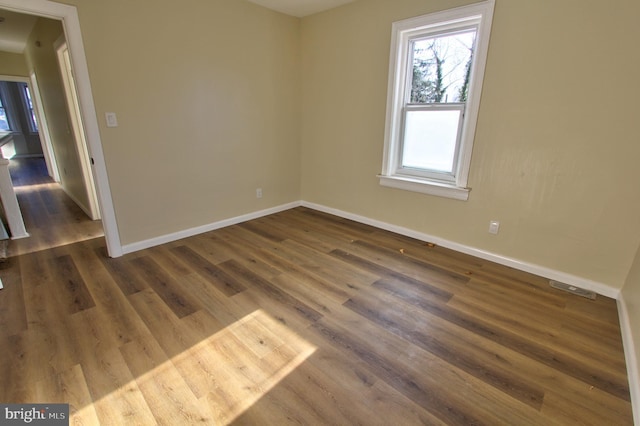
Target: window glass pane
(28,95)
(4,123)
(430,140)
(34,123)
(442,67)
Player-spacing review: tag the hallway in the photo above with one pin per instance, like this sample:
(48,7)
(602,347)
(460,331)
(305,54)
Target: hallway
(51,218)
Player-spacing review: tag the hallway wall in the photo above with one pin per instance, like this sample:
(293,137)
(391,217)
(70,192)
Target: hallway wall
(41,58)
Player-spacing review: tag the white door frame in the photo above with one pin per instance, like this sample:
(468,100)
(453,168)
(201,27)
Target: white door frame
(71,24)
(68,80)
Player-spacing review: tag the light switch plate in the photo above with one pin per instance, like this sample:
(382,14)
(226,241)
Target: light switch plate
(494,227)
(112,119)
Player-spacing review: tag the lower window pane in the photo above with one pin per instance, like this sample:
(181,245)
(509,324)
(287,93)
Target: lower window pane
(430,140)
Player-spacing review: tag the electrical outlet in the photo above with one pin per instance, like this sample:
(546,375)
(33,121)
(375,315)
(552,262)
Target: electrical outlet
(494,227)
(258,192)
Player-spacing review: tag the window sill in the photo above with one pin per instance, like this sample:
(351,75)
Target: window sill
(424,186)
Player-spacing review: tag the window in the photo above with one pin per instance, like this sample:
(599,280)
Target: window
(26,95)
(435,81)
(4,122)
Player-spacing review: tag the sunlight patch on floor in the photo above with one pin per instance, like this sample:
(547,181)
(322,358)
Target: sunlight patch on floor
(25,189)
(39,240)
(226,374)
(57,229)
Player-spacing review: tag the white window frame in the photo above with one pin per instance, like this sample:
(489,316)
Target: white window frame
(478,15)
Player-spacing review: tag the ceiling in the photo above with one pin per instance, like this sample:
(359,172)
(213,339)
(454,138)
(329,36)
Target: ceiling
(300,8)
(15,30)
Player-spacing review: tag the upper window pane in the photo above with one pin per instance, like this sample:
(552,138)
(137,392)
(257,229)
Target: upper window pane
(442,67)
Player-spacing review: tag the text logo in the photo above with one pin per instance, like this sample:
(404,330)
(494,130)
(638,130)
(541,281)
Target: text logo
(34,414)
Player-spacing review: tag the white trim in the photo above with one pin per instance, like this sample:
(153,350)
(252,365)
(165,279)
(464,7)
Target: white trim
(71,23)
(163,239)
(480,14)
(600,288)
(587,284)
(443,189)
(14,78)
(630,356)
(84,208)
(542,271)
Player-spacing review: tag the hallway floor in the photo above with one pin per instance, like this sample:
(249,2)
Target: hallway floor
(51,217)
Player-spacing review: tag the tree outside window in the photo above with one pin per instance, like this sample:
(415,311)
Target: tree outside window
(435,84)
(441,68)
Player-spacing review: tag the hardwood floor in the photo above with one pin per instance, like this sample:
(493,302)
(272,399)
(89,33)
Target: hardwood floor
(299,318)
(52,219)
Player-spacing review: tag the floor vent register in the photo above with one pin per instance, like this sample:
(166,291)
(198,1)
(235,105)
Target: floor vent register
(573,289)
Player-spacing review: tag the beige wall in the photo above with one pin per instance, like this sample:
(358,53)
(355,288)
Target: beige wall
(13,64)
(206,94)
(42,60)
(556,152)
(209,109)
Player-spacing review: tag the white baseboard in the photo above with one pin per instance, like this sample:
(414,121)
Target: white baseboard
(633,369)
(163,239)
(542,271)
(84,208)
(600,288)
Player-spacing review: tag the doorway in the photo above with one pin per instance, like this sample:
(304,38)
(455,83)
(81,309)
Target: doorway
(76,58)
(39,121)
(18,119)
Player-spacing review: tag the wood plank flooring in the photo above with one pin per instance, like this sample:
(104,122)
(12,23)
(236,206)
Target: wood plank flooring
(51,217)
(297,318)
